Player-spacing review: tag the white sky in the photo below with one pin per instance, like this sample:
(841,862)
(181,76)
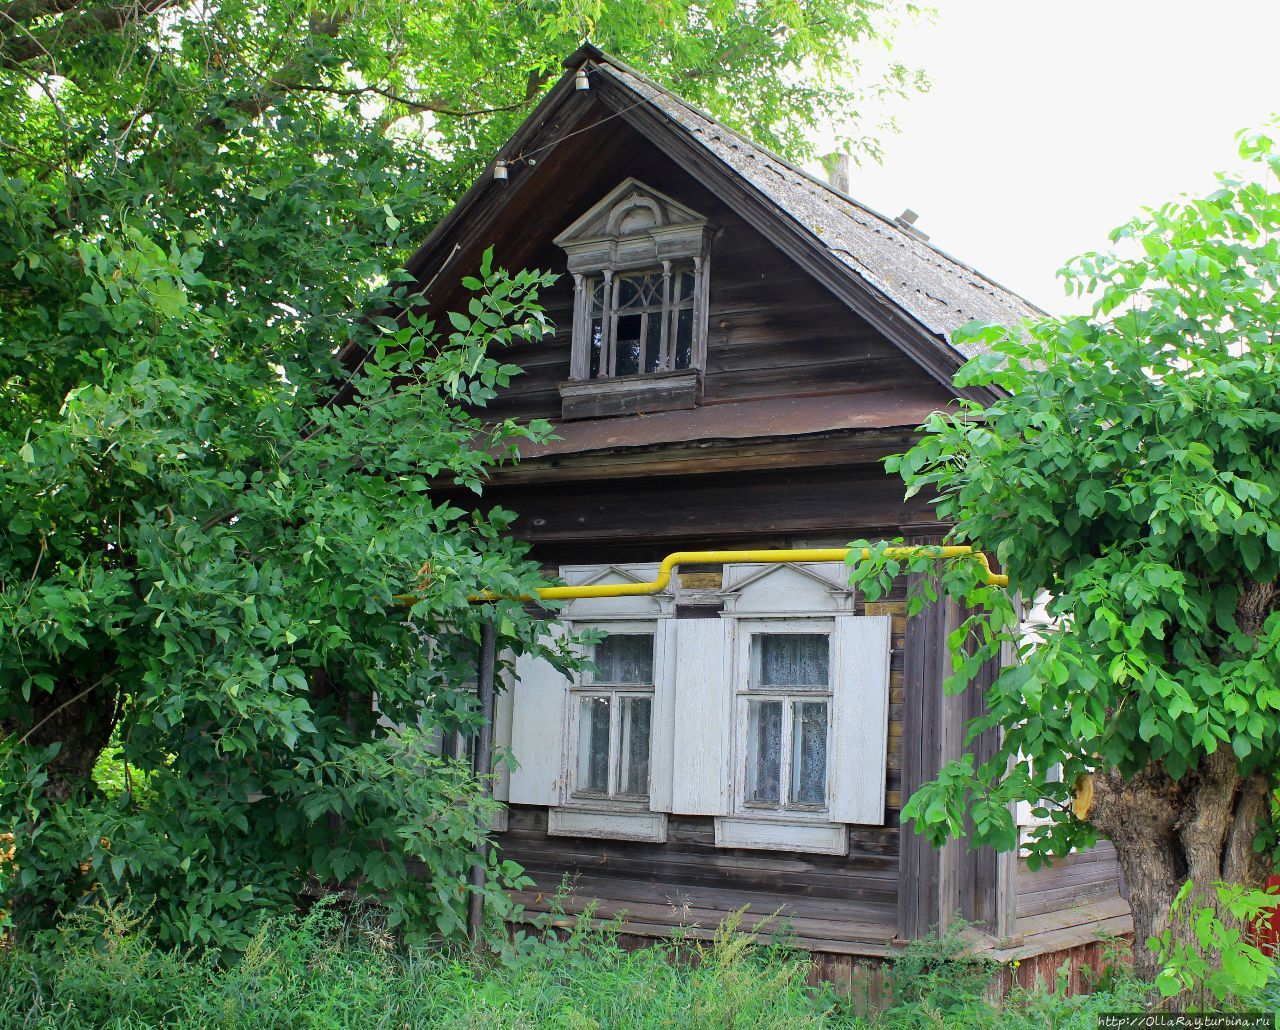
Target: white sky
(1051,122)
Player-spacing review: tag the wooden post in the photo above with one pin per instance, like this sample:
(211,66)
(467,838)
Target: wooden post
(937,885)
(921,867)
(483,767)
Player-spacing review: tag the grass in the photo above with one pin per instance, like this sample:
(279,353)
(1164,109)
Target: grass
(325,971)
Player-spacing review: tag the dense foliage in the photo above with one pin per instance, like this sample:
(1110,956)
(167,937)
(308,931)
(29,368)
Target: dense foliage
(1130,475)
(216,444)
(317,972)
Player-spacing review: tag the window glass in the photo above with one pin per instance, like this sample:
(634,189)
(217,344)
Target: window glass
(615,712)
(649,326)
(809,753)
(593,744)
(597,327)
(597,342)
(764,752)
(629,293)
(626,344)
(787,699)
(684,338)
(684,286)
(653,343)
(624,658)
(636,716)
(790,660)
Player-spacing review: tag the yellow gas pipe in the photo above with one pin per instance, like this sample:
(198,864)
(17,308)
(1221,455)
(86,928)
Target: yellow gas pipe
(779,555)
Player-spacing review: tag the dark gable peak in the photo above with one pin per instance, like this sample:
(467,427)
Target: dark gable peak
(916,295)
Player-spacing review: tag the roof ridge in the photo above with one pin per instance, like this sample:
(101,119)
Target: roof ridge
(825,191)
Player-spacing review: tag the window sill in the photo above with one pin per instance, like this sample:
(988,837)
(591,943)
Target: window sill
(784,832)
(649,827)
(629,395)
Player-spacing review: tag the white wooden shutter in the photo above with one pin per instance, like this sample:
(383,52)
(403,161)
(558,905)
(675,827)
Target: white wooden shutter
(503,707)
(702,749)
(860,718)
(662,730)
(537,732)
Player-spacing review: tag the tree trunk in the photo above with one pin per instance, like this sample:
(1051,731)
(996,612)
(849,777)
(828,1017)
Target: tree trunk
(1200,828)
(78,716)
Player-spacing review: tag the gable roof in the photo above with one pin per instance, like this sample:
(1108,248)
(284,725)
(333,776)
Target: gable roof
(939,291)
(913,292)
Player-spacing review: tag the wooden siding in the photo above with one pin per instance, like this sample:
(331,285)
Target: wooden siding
(1076,879)
(690,865)
(772,330)
(565,521)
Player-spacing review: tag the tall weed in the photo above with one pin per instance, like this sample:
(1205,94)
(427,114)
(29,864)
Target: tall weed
(330,969)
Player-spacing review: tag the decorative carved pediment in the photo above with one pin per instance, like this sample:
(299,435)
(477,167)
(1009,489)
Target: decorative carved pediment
(789,587)
(609,608)
(631,226)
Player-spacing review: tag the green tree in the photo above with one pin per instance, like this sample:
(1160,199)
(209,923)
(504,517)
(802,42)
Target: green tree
(1131,477)
(217,445)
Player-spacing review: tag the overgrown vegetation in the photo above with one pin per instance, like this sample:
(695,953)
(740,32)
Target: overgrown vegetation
(217,446)
(1128,472)
(321,971)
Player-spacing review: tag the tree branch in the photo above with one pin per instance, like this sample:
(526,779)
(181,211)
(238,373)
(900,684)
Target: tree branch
(414,105)
(65,704)
(16,50)
(24,12)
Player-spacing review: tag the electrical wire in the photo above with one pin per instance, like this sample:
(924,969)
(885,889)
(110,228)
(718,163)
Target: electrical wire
(524,156)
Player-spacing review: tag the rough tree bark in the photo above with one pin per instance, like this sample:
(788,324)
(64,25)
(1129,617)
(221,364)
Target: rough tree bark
(1200,828)
(1165,832)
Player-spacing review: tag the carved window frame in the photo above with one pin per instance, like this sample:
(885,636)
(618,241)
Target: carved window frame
(635,231)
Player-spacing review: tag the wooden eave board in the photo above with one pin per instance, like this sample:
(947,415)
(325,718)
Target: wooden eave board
(834,448)
(744,420)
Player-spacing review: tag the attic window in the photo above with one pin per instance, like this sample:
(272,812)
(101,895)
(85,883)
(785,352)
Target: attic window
(639,264)
(641,322)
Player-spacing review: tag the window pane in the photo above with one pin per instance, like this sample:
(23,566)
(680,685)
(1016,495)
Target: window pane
(593,744)
(636,715)
(597,340)
(809,753)
(685,287)
(624,658)
(626,347)
(764,751)
(628,292)
(653,343)
(651,291)
(790,659)
(683,349)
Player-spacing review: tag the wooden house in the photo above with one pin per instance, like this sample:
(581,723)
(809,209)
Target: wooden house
(738,346)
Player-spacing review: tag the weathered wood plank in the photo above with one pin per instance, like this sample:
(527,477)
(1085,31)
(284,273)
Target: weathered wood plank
(919,900)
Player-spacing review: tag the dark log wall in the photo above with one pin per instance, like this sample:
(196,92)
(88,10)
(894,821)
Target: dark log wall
(866,880)
(772,330)
(1075,879)
(646,516)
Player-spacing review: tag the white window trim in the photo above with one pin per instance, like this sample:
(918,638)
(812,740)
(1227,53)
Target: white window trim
(807,835)
(580,687)
(809,598)
(644,826)
(743,694)
(588,815)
